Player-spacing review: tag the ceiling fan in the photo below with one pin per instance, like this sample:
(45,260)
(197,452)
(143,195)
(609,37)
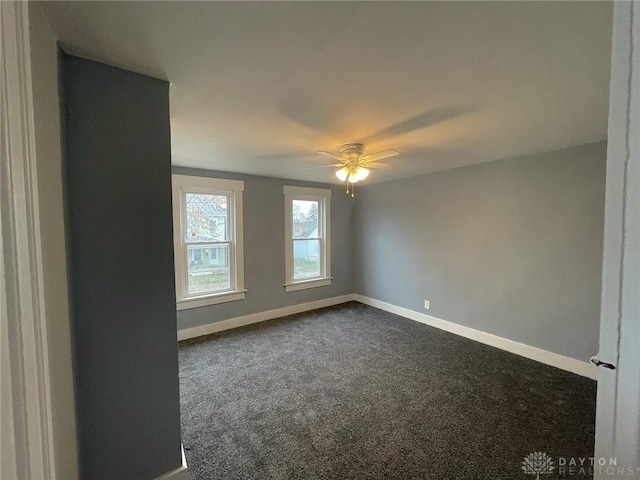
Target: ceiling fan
(355,164)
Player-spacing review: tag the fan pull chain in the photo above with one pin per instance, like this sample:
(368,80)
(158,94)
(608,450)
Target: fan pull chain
(350,190)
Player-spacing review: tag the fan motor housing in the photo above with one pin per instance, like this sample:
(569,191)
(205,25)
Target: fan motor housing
(352,150)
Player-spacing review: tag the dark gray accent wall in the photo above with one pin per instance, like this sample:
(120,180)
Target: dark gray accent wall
(511,247)
(121,274)
(264,250)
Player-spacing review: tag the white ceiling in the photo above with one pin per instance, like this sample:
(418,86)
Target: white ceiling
(258,87)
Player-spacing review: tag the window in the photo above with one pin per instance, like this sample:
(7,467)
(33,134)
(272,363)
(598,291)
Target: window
(307,239)
(207,216)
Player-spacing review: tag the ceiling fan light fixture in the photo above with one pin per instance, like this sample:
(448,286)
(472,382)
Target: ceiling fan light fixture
(353,162)
(362,173)
(343,173)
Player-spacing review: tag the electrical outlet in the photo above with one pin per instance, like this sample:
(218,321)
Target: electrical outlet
(427,304)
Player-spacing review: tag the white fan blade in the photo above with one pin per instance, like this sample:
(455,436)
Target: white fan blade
(384,166)
(330,165)
(330,154)
(380,155)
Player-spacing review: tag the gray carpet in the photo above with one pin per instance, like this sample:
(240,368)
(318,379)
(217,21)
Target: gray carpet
(352,392)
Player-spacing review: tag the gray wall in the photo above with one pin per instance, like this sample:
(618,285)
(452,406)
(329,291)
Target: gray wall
(44,74)
(264,250)
(121,274)
(511,247)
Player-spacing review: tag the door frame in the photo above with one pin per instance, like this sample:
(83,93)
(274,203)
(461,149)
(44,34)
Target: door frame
(26,412)
(618,398)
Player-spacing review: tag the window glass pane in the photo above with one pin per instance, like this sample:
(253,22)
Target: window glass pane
(208,269)
(206,217)
(305,219)
(306,259)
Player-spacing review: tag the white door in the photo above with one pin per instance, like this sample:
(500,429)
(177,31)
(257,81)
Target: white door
(617,451)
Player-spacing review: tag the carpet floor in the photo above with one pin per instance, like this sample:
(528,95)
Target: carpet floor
(350,392)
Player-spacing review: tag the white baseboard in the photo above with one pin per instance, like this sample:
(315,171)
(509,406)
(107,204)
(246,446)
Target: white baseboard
(260,317)
(569,364)
(179,473)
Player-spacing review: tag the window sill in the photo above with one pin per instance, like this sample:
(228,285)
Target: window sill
(304,284)
(213,299)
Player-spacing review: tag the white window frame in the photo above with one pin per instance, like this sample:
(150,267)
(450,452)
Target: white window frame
(323,197)
(181,185)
